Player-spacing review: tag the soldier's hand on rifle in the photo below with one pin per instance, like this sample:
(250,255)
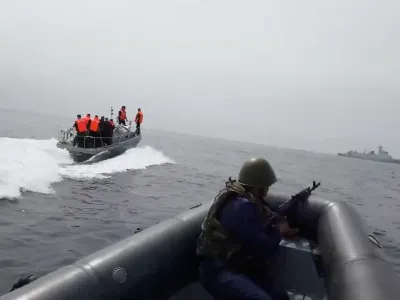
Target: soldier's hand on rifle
(285,230)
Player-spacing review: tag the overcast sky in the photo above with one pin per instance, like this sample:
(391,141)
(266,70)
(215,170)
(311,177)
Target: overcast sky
(316,75)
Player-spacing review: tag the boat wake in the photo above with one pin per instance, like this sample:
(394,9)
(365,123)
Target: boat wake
(33,165)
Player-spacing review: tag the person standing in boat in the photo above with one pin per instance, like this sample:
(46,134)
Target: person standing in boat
(87,120)
(101,128)
(112,123)
(122,116)
(107,132)
(138,120)
(80,127)
(237,243)
(94,130)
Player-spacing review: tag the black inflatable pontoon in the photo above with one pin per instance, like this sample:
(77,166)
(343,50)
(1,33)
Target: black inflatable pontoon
(335,258)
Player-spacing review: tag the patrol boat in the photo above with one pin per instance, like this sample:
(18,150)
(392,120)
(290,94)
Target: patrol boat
(333,258)
(382,156)
(123,138)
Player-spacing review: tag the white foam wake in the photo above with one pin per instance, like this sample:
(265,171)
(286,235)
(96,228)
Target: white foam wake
(33,165)
(132,159)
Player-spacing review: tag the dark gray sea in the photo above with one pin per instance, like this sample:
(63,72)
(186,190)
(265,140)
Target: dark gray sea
(53,212)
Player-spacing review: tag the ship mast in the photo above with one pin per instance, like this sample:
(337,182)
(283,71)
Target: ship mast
(380,149)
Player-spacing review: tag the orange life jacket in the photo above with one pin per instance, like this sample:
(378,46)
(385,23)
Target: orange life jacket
(94,125)
(86,119)
(122,116)
(139,117)
(80,124)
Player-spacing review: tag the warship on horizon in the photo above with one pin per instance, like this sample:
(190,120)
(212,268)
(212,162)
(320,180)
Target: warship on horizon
(382,156)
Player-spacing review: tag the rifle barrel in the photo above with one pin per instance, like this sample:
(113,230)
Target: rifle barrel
(306,191)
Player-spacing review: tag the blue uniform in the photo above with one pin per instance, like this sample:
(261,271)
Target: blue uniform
(241,217)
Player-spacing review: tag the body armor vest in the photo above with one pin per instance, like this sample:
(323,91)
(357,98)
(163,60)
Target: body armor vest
(214,241)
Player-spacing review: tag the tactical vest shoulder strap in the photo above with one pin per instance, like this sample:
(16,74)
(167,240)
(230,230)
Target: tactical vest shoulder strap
(236,187)
(233,188)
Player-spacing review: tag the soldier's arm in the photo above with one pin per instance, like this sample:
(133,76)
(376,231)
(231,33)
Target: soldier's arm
(241,217)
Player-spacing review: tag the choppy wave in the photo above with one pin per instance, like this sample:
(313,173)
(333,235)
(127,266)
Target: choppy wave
(33,165)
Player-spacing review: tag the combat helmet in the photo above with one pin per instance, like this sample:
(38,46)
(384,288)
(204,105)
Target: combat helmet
(257,172)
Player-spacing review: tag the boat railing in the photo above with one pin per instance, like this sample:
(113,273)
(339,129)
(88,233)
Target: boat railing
(69,135)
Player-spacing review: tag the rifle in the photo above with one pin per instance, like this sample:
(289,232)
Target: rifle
(286,208)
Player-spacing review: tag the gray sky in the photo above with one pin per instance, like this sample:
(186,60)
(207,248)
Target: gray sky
(315,75)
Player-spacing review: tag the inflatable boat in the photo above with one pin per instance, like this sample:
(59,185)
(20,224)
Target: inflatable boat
(124,137)
(333,258)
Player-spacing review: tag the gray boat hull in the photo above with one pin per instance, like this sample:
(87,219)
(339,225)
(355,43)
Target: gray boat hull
(340,262)
(82,154)
(393,161)
(123,139)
